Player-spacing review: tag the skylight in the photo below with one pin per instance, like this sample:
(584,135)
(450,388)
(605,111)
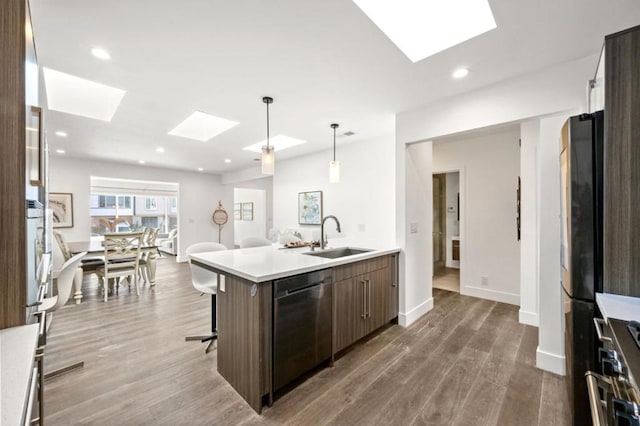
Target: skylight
(421,28)
(279,143)
(77,96)
(202,126)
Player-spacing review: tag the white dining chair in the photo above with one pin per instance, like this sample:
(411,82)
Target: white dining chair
(122,259)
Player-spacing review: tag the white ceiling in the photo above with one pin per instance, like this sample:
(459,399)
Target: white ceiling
(321,61)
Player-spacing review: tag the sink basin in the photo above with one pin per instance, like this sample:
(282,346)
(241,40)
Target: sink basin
(337,252)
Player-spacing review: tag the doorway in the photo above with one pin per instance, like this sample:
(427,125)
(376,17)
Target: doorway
(446,231)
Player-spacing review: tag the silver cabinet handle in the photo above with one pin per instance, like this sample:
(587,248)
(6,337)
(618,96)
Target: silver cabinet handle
(369,298)
(599,322)
(597,413)
(364,299)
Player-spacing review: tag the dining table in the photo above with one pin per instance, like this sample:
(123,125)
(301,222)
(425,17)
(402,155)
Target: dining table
(95,248)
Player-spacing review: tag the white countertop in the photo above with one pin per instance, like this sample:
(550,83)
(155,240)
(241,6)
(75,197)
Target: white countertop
(17,350)
(260,264)
(620,307)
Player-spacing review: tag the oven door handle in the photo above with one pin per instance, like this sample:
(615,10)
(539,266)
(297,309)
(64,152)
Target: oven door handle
(599,323)
(597,412)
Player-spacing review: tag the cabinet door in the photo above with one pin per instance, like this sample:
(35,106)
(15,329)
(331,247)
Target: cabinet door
(378,298)
(349,296)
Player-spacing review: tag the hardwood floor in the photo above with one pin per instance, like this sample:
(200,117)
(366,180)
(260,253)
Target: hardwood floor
(447,279)
(467,362)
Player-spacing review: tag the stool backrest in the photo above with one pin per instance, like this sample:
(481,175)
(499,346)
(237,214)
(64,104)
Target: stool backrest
(203,279)
(64,280)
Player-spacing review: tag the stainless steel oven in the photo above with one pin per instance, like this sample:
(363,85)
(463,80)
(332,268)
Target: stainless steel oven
(614,396)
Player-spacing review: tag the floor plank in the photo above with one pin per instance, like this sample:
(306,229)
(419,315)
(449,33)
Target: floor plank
(468,361)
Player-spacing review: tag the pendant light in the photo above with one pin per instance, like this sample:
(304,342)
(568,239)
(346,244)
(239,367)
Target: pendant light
(268,157)
(334,166)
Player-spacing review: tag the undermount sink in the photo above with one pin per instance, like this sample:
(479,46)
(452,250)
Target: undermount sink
(338,252)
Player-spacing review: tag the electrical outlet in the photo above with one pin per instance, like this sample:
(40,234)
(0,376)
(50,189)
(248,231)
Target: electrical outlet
(484,280)
(413,227)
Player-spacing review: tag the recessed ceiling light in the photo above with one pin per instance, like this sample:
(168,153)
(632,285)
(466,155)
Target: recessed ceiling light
(75,95)
(200,169)
(279,143)
(60,151)
(460,73)
(160,149)
(202,126)
(100,53)
(141,161)
(424,28)
(227,160)
(61,134)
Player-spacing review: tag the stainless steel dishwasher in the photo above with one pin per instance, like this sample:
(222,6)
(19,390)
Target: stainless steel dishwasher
(301,324)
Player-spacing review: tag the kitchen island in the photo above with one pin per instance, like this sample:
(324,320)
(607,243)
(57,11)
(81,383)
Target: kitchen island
(362,291)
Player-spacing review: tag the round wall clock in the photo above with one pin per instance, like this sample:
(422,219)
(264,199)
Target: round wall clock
(220,217)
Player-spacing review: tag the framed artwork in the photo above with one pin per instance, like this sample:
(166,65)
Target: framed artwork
(247,211)
(61,205)
(310,208)
(237,211)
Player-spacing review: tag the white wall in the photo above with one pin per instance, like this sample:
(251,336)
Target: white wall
(258,181)
(489,247)
(199,195)
(363,200)
(452,223)
(556,90)
(529,262)
(251,228)
(416,235)
(550,352)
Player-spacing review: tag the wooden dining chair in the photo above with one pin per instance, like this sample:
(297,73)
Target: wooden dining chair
(150,240)
(122,259)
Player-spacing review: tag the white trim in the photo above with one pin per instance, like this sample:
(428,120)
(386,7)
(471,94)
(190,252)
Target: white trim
(486,293)
(181,259)
(550,362)
(528,318)
(406,319)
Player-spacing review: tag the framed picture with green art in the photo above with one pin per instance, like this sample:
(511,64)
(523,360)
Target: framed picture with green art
(310,208)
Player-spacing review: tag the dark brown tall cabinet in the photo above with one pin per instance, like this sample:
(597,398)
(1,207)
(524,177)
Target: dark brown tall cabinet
(622,163)
(12,156)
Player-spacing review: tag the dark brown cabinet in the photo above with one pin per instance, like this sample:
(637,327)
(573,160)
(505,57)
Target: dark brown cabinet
(366,298)
(455,249)
(622,163)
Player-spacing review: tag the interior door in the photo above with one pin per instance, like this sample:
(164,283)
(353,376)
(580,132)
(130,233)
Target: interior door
(439,221)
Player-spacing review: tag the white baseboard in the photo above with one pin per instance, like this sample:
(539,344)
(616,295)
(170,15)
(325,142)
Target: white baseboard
(405,319)
(529,318)
(181,259)
(550,362)
(485,293)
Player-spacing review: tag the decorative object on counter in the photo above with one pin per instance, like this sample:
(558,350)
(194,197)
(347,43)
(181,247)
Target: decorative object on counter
(310,208)
(61,205)
(334,166)
(268,155)
(220,218)
(247,211)
(237,211)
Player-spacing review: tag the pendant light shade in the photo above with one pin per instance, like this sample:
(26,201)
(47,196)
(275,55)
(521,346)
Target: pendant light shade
(268,155)
(334,166)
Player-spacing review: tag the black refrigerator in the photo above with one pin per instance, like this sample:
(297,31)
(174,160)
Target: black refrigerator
(581,162)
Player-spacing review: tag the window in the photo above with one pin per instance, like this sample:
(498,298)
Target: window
(124,213)
(150,203)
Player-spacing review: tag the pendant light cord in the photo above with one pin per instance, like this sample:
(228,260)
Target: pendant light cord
(334,144)
(267,125)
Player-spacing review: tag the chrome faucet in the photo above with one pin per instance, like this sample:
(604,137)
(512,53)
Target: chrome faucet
(323,240)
